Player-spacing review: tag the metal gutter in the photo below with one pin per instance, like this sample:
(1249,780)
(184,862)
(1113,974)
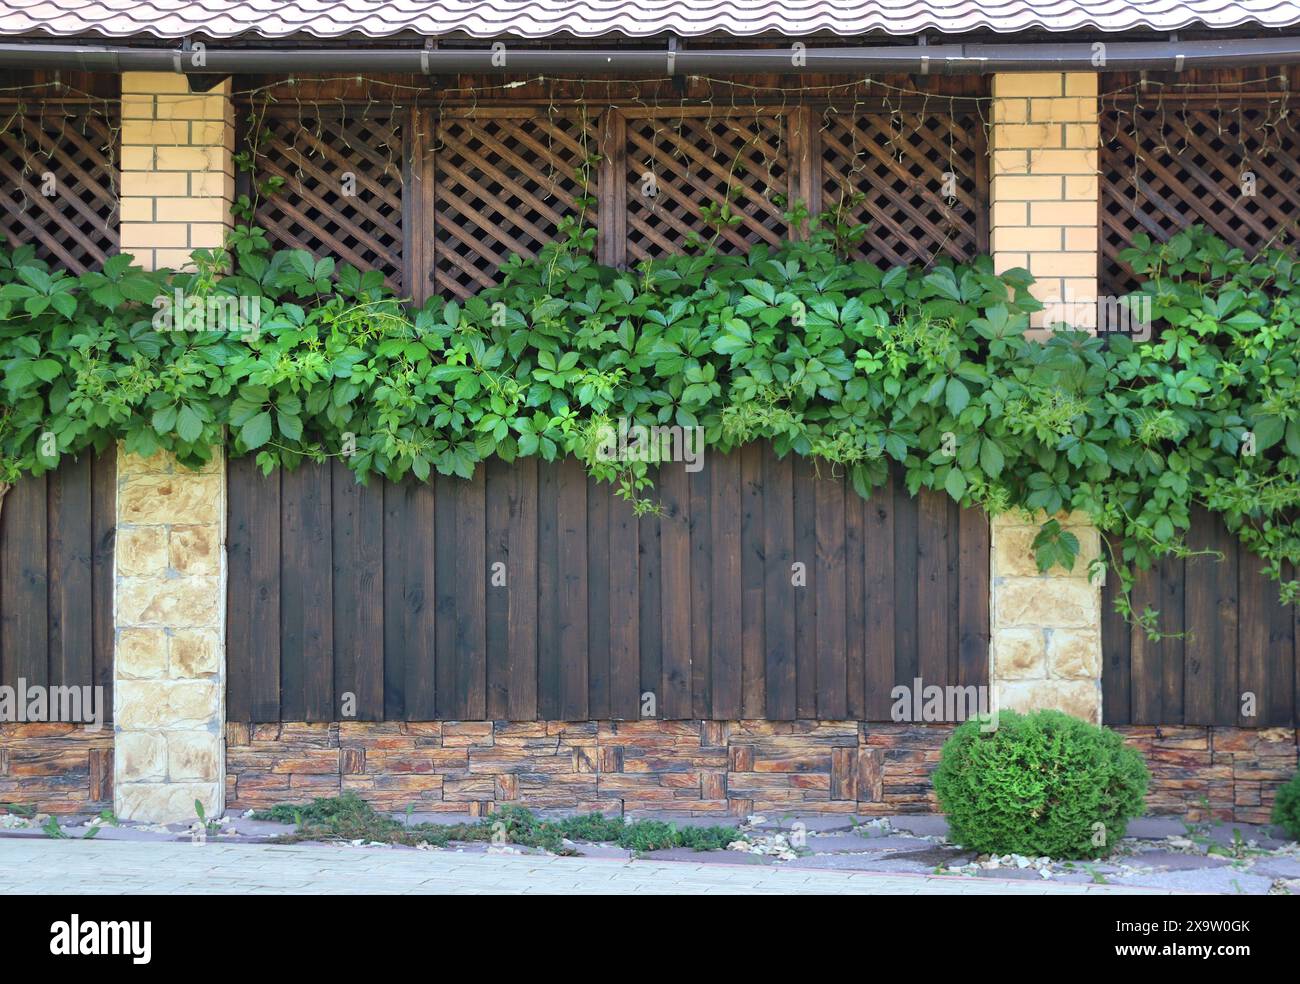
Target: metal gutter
(505,58)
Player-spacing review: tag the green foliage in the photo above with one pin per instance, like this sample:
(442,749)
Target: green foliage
(349,818)
(1286,808)
(302,358)
(1041,784)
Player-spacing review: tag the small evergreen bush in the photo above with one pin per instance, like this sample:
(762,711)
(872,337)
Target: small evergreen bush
(1041,784)
(1286,808)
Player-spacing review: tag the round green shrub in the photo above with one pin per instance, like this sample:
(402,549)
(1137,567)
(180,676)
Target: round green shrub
(1039,785)
(1286,808)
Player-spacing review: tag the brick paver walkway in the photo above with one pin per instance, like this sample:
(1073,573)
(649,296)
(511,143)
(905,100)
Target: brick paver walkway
(88,867)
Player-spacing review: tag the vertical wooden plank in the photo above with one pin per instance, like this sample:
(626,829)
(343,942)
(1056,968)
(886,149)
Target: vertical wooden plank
(1200,646)
(358,529)
(1253,631)
(24,576)
(803,132)
(421,643)
(881,607)
(449,703)
(71,619)
(651,608)
(973,616)
(498,479)
(699,486)
(599,495)
(1281,651)
(470,589)
(979,148)
(907,665)
(306,587)
(675,557)
(239,591)
(549,655)
(611,205)
(855,602)
(1173,620)
(571,526)
(522,572)
(395,622)
(1116,643)
(932,611)
(417,203)
(1227,691)
(753,651)
(1146,654)
(832,640)
(104,533)
(624,611)
(806,598)
(778,549)
(725,587)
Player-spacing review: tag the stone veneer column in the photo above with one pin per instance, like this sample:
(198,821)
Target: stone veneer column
(1046,628)
(169,596)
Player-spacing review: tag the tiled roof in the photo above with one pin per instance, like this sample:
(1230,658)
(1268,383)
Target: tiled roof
(635,18)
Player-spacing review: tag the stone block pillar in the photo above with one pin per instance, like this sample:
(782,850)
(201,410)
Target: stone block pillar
(170,563)
(1046,628)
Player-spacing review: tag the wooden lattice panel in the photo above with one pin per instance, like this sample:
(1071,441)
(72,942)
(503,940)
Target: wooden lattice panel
(1167,167)
(502,185)
(71,151)
(692,162)
(920,178)
(357,220)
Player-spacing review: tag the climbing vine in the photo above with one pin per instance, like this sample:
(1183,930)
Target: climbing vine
(292,357)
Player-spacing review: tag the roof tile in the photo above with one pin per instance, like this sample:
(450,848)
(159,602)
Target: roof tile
(630,18)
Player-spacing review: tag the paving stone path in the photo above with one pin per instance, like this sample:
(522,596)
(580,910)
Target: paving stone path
(98,867)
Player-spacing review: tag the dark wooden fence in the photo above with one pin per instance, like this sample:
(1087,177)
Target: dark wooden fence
(386,592)
(1229,636)
(56,577)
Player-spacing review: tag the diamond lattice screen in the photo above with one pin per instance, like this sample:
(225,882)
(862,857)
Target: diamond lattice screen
(679,167)
(915,179)
(342,191)
(502,186)
(59,170)
(1168,167)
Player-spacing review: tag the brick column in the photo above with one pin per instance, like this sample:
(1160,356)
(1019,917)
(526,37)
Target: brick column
(1046,628)
(1044,194)
(170,560)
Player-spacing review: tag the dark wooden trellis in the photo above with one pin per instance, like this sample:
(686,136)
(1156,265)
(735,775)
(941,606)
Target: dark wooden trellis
(502,183)
(58,166)
(482,181)
(343,183)
(1173,157)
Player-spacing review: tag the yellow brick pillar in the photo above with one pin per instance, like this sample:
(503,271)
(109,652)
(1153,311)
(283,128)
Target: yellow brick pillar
(1044,193)
(169,563)
(1046,628)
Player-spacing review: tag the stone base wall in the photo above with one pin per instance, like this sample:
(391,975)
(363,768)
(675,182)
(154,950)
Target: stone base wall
(1220,773)
(58,768)
(699,767)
